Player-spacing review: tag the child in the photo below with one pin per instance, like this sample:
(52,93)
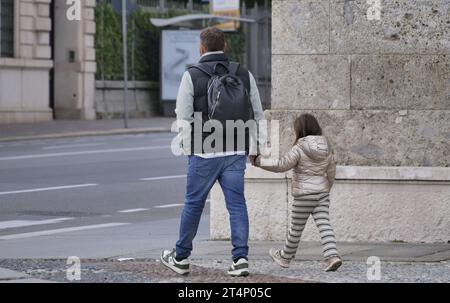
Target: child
(313,176)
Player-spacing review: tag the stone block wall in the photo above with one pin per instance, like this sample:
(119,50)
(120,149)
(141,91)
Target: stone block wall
(380,88)
(24,79)
(35,27)
(143,99)
(376,204)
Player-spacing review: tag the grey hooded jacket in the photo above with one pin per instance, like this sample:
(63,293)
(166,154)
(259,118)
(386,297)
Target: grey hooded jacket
(311,159)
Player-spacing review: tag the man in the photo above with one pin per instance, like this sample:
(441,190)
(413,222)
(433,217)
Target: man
(227,166)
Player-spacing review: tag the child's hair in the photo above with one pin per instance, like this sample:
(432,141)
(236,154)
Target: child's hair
(306,125)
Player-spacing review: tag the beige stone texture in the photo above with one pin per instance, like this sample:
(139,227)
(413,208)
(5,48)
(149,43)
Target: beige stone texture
(367,204)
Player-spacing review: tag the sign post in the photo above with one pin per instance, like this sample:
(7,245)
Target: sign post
(124,8)
(125,62)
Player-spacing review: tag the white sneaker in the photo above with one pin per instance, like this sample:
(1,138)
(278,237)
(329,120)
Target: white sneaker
(278,258)
(168,260)
(332,263)
(239,268)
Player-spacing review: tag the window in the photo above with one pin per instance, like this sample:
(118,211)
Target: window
(6,28)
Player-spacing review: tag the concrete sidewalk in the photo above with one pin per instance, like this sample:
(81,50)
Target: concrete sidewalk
(78,128)
(10,276)
(399,262)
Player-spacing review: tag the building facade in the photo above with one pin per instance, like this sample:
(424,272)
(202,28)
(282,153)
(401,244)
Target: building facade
(47,60)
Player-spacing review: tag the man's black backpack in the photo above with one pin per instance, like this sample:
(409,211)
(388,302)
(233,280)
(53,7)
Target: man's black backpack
(228,98)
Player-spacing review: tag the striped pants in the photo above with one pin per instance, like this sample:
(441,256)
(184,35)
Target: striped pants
(318,205)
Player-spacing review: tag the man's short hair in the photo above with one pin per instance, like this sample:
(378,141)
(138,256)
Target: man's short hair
(212,39)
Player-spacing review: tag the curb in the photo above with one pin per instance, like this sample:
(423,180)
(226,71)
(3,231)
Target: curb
(89,133)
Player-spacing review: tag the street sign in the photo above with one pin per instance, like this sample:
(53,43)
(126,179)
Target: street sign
(131,6)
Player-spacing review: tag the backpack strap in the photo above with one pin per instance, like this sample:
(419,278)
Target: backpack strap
(233,68)
(227,68)
(203,68)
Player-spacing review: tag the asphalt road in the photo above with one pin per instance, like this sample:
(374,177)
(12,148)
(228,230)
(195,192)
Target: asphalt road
(91,197)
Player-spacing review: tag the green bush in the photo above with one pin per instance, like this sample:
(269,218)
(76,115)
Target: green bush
(143,44)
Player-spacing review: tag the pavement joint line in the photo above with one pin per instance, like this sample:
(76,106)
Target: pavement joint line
(433,253)
(88,133)
(13,279)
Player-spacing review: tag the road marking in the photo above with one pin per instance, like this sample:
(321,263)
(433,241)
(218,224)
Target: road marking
(168,205)
(163,178)
(162,139)
(135,210)
(23,223)
(59,231)
(72,146)
(175,205)
(45,189)
(87,152)
(17,144)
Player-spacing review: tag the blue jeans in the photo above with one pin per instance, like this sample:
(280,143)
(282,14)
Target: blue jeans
(202,174)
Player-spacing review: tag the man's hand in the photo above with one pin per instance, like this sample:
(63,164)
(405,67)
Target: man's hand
(253,159)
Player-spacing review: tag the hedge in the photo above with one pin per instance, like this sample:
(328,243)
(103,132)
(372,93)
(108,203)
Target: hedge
(143,44)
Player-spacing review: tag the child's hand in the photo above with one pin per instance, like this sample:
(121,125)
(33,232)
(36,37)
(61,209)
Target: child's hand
(253,159)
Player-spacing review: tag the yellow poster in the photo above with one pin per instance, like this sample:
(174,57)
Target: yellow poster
(229,8)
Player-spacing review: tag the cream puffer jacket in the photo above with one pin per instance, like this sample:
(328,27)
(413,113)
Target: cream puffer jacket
(313,163)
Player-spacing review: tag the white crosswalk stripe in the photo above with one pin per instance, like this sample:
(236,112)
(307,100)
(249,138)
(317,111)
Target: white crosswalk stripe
(168,205)
(24,223)
(59,231)
(134,210)
(33,190)
(164,178)
(87,152)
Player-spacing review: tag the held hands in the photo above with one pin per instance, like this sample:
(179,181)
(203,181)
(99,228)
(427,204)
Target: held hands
(253,159)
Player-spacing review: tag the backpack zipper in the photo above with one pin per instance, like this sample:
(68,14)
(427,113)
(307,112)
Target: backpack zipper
(215,105)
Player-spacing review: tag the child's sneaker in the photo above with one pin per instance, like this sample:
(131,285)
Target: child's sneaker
(239,268)
(278,258)
(332,263)
(168,260)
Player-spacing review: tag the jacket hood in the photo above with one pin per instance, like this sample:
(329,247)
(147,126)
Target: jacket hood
(315,147)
